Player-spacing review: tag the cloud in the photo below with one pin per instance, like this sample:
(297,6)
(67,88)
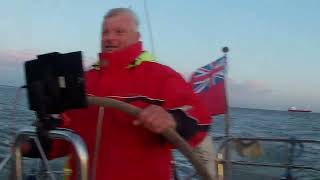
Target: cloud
(259,94)
(16,57)
(10,59)
(249,88)
(251,94)
(88,61)
(11,64)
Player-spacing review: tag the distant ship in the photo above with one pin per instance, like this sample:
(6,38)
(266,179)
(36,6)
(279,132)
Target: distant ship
(294,109)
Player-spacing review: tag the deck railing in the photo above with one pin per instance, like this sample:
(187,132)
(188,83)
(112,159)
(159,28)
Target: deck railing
(64,134)
(221,162)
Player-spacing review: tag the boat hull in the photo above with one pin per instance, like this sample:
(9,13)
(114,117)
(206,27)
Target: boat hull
(299,110)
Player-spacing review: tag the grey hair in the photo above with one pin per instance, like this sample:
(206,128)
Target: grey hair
(118,11)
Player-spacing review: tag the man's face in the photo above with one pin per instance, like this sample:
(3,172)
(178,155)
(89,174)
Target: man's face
(118,32)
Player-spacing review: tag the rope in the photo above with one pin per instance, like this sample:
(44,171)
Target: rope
(149,26)
(97,143)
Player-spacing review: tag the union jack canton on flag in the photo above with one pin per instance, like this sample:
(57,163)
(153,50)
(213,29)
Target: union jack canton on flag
(209,75)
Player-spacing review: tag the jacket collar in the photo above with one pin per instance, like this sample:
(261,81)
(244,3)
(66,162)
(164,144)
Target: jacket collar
(121,58)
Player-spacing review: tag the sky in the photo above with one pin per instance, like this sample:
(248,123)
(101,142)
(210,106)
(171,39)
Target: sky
(274,44)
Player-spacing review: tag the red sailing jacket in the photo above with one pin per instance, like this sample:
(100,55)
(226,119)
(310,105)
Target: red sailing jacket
(126,151)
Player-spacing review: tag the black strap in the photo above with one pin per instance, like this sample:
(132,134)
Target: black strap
(203,128)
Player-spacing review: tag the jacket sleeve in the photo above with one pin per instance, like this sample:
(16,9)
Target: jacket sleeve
(192,117)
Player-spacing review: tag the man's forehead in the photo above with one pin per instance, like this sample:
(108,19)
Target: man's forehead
(119,17)
(121,20)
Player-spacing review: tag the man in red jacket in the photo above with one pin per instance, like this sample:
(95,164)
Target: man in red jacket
(121,146)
